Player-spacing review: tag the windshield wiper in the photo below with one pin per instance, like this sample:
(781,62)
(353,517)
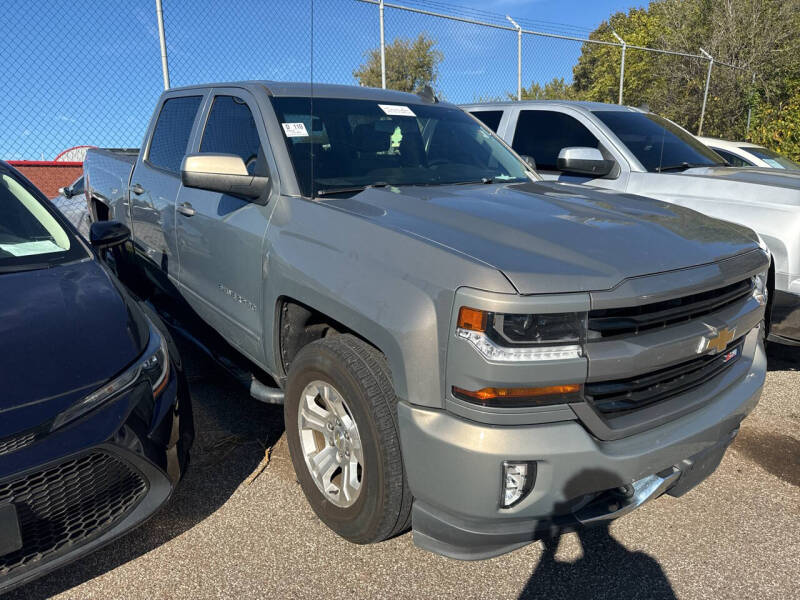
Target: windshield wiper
(24,267)
(683,166)
(349,190)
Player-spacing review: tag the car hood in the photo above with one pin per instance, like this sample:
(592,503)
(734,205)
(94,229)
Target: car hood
(65,330)
(549,237)
(779,178)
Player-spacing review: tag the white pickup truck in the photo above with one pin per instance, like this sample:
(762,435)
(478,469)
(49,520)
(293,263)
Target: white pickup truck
(630,150)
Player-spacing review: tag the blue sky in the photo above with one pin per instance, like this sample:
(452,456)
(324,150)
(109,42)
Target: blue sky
(89,73)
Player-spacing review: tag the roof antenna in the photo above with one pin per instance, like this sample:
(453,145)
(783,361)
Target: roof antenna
(428,95)
(644,106)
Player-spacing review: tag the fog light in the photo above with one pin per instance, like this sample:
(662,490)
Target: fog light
(518,480)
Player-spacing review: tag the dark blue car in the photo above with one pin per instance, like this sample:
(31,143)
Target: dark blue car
(95,416)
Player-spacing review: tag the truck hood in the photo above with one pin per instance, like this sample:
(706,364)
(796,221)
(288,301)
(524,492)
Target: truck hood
(780,178)
(549,237)
(65,330)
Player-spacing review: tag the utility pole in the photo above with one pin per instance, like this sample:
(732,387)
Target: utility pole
(750,104)
(383,47)
(519,57)
(705,94)
(621,65)
(163,42)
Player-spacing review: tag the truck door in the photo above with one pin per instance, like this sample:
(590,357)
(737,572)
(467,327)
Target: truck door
(543,133)
(220,236)
(156,180)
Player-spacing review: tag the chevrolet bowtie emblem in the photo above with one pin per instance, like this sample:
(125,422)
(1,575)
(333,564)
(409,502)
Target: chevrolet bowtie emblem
(719,341)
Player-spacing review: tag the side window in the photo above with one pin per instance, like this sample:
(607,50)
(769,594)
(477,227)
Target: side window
(542,134)
(172,131)
(490,118)
(231,129)
(732,159)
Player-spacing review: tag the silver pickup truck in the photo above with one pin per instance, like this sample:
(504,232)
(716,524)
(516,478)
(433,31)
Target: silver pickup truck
(459,346)
(631,150)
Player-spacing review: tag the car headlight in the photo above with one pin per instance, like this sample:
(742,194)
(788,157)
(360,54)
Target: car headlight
(154,367)
(760,290)
(523,337)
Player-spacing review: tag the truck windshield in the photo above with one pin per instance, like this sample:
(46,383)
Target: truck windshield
(660,145)
(342,146)
(30,237)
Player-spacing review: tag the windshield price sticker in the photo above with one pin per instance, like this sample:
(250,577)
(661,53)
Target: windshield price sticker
(395,110)
(295,129)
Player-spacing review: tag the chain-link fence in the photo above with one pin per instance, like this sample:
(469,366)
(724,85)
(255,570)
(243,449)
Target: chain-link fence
(90,73)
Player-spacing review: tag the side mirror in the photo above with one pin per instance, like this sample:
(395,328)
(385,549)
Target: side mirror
(224,173)
(65,191)
(107,234)
(529,161)
(584,161)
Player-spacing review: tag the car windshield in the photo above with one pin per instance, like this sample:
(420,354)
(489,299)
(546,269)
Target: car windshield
(660,145)
(343,146)
(30,237)
(773,159)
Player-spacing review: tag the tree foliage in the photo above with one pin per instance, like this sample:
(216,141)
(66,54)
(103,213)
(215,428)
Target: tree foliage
(759,36)
(410,65)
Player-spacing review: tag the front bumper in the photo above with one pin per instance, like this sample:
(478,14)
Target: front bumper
(785,318)
(454,469)
(87,483)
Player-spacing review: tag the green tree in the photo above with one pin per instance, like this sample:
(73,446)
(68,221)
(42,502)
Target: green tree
(557,89)
(410,65)
(759,36)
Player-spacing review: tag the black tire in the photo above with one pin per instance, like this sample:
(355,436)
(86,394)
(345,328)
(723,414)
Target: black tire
(361,374)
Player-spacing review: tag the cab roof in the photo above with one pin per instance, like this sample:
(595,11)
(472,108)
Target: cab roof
(319,90)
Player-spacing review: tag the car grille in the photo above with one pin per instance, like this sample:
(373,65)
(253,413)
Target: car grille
(9,445)
(632,320)
(624,395)
(64,506)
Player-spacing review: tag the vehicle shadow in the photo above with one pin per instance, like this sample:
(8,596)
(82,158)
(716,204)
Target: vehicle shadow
(783,358)
(606,570)
(232,434)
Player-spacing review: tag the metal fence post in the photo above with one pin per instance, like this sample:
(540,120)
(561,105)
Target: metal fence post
(383,47)
(519,57)
(750,105)
(621,65)
(705,94)
(163,42)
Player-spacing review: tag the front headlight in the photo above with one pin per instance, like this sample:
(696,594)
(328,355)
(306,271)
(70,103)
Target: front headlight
(154,366)
(760,290)
(523,337)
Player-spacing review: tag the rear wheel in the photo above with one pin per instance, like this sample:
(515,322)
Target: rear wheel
(341,424)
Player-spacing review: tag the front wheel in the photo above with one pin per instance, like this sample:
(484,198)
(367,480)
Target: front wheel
(341,424)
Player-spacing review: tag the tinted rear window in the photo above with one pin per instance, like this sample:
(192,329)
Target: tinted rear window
(172,131)
(490,118)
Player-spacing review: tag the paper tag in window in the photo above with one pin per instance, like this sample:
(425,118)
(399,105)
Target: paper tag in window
(396,110)
(295,129)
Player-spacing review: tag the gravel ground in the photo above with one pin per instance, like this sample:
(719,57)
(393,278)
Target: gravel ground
(226,534)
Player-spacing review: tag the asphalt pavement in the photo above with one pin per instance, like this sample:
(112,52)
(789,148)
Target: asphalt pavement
(236,528)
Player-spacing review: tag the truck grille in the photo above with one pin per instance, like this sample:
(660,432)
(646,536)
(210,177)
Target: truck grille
(64,506)
(624,395)
(631,320)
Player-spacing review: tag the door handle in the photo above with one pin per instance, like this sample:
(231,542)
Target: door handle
(137,189)
(185,208)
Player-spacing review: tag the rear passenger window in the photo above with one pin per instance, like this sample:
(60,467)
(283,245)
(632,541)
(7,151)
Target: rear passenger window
(231,129)
(172,131)
(542,134)
(490,118)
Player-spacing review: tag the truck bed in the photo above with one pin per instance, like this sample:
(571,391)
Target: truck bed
(108,173)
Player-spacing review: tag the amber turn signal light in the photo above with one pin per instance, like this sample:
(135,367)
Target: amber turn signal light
(472,319)
(532,396)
